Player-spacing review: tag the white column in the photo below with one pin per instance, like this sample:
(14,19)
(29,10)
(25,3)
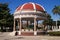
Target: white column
(35,32)
(56,25)
(14,25)
(20,28)
(59,27)
(18,23)
(52,28)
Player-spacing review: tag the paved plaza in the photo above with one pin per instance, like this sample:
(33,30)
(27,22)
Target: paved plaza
(5,36)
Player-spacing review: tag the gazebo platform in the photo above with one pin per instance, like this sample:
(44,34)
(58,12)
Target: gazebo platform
(27,33)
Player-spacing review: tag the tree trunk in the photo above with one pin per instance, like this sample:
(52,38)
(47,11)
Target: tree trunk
(1,28)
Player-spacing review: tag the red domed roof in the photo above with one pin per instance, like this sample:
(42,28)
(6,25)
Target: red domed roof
(30,6)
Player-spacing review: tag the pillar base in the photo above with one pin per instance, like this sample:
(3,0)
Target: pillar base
(59,27)
(35,32)
(19,32)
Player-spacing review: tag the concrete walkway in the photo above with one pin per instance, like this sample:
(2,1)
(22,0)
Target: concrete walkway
(5,36)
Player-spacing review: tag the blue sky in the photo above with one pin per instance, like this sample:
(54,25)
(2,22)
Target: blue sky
(47,4)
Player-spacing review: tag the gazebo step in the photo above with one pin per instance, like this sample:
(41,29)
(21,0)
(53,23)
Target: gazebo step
(40,33)
(27,33)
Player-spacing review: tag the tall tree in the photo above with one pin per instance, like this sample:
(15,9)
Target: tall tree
(56,10)
(5,17)
(48,21)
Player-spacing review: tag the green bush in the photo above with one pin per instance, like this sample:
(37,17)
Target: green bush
(56,33)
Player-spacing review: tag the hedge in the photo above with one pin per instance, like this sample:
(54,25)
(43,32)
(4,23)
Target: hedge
(56,33)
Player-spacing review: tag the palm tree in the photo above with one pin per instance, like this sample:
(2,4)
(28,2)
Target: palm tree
(56,10)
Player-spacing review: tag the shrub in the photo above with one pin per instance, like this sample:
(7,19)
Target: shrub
(56,33)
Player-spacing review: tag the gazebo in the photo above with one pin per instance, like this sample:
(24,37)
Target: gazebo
(28,12)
